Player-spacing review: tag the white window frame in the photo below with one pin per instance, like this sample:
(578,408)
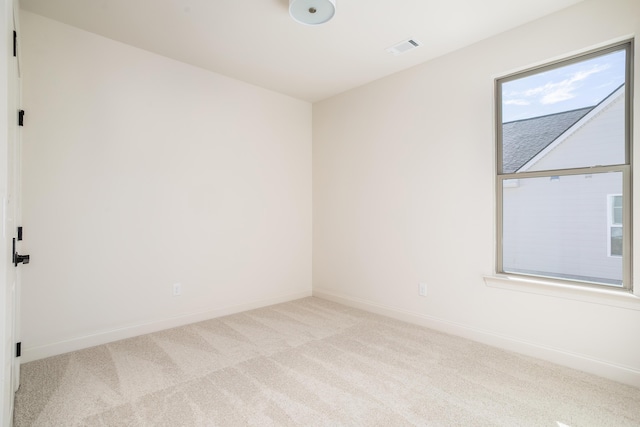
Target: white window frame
(625,169)
(610,222)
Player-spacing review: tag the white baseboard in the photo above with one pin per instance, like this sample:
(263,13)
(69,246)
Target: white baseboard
(619,373)
(78,343)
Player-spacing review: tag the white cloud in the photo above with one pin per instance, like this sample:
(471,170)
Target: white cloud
(552,93)
(562,93)
(536,91)
(517,102)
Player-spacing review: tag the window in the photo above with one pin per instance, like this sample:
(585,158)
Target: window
(564,170)
(615,224)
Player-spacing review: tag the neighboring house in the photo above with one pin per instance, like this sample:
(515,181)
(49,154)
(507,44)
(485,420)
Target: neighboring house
(566,226)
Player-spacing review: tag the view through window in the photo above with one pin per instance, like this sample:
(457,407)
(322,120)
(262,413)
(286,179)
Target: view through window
(563,183)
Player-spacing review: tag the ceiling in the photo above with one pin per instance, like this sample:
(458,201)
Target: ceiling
(257,42)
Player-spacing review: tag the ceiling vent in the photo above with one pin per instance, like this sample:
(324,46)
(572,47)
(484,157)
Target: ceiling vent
(404,47)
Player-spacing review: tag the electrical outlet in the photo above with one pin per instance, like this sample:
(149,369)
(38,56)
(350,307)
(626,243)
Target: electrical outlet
(422,289)
(177,289)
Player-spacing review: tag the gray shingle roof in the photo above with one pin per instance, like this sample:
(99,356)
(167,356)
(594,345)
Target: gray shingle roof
(522,140)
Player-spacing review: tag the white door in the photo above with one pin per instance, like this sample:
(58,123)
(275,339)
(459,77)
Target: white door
(9,209)
(14,189)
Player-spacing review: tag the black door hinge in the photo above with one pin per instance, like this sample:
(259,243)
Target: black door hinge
(15,44)
(17,258)
(19,233)
(20,117)
(18,349)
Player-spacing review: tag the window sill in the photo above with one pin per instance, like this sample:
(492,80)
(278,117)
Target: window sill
(615,298)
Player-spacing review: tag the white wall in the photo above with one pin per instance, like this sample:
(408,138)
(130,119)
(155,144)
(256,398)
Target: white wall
(139,172)
(404,192)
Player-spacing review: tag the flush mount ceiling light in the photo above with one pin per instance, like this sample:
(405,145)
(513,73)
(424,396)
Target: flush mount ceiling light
(312,12)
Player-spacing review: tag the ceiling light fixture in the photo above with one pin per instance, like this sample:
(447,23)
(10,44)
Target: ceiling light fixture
(312,12)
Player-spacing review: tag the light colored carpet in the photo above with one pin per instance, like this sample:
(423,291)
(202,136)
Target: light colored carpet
(312,363)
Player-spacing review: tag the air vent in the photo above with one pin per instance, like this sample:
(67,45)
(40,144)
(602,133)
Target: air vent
(404,46)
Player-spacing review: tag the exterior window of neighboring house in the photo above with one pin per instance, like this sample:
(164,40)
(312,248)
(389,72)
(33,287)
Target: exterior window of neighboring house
(563,148)
(615,224)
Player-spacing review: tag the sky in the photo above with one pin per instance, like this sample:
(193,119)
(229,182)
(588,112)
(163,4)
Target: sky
(580,84)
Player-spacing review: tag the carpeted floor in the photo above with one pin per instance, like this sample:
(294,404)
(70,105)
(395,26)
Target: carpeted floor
(312,363)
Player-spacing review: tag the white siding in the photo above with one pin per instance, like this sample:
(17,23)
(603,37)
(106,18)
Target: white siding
(560,226)
(597,141)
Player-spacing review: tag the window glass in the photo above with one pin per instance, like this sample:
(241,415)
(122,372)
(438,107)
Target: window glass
(564,170)
(617,210)
(616,241)
(548,228)
(550,110)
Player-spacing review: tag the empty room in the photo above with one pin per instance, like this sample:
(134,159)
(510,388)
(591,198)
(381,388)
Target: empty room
(320,212)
